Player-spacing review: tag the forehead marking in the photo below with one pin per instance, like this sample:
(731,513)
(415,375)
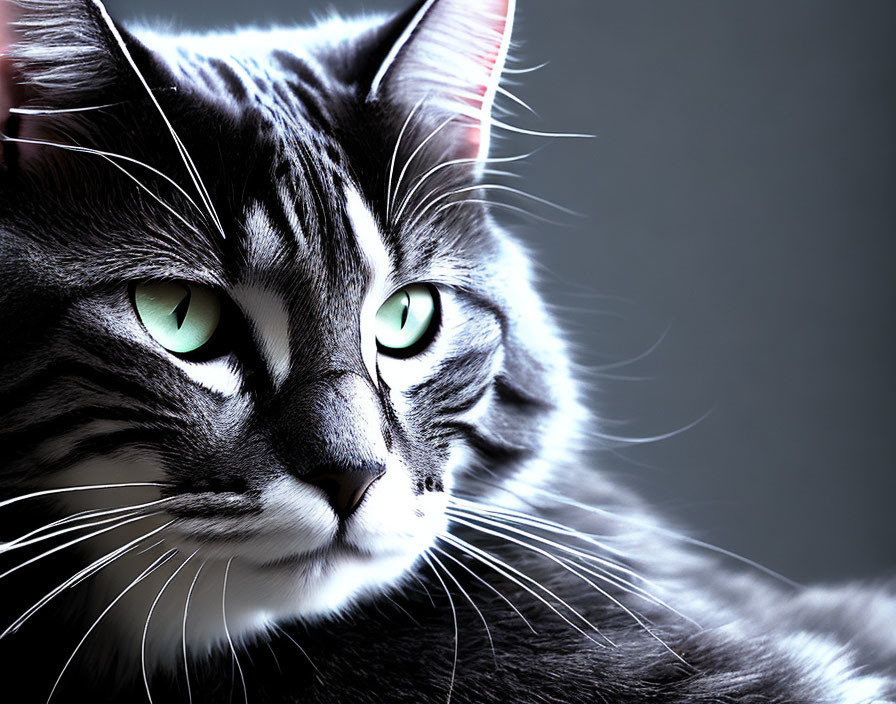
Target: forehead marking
(288,204)
(370,242)
(264,248)
(268,316)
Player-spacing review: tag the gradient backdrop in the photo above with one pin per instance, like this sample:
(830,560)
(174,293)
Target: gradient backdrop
(740,226)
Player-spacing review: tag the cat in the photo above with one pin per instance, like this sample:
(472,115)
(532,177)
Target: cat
(285,419)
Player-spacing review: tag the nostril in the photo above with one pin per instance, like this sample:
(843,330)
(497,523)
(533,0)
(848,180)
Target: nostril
(345,486)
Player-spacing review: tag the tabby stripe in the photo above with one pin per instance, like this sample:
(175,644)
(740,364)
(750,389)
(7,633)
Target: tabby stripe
(207,78)
(108,444)
(281,224)
(494,448)
(475,359)
(511,395)
(21,442)
(468,403)
(314,108)
(20,394)
(293,64)
(232,81)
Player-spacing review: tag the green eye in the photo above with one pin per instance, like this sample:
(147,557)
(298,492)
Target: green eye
(180,316)
(406,323)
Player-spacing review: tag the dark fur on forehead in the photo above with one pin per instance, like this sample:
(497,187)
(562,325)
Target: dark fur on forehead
(323,133)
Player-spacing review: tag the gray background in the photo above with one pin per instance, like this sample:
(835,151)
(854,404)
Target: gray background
(740,209)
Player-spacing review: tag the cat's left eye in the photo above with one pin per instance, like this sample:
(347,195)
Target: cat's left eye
(179,315)
(407,322)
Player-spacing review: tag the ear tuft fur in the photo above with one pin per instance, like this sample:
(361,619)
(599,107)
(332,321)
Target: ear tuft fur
(58,48)
(451,57)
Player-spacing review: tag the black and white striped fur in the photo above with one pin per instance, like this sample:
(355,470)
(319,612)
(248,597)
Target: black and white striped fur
(160,542)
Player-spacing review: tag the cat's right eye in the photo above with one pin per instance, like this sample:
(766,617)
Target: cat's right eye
(407,322)
(181,316)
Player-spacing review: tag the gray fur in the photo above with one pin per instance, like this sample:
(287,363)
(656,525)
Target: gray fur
(599,603)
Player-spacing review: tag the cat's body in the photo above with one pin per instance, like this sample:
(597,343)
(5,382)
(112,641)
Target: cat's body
(321,508)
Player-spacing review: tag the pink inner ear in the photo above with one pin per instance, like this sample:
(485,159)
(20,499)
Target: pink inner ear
(451,57)
(477,33)
(499,11)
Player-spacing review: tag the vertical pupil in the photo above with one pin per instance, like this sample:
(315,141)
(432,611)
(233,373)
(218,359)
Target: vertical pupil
(405,308)
(180,311)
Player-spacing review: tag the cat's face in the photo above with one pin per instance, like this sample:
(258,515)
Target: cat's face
(273,304)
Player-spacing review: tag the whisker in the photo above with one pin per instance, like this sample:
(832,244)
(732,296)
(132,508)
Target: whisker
(548,555)
(425,588)
(295,643)
(419,148)
(143,575)
(519,101)
(29,539)
(553,527)
(86,514)
(149,617)
(185,155)
(494,589)
(108,156)
(671,534)
(274,655)
(630,588)
(421,212)
(150,547)
(568,567)
(167,206)
(74,542)
(227,630)
(604,575)
(426,556)
(472,603)
(501,172)
(453,162)
(640,523)
(541,523)
(18,546)
(626,440)
(111,160)
(494,204)
(184,630)
(61,111)
(537,133)
(78,577)
(498,566)
(401,132)
(88,487)
(525,70)
(643,355)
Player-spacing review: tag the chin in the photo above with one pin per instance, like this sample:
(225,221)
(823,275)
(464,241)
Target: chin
(238,579)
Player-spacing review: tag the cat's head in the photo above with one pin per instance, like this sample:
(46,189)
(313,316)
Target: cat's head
(252,279)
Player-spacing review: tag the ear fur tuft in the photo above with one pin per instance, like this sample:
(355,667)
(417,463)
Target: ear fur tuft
(58,48)
(451,57)
(8,89)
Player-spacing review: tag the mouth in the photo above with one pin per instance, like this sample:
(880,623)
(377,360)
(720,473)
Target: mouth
(336,550)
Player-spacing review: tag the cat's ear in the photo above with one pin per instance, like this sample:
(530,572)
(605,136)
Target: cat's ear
(56,54)
(61,48)
(9,90)
(448,62)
